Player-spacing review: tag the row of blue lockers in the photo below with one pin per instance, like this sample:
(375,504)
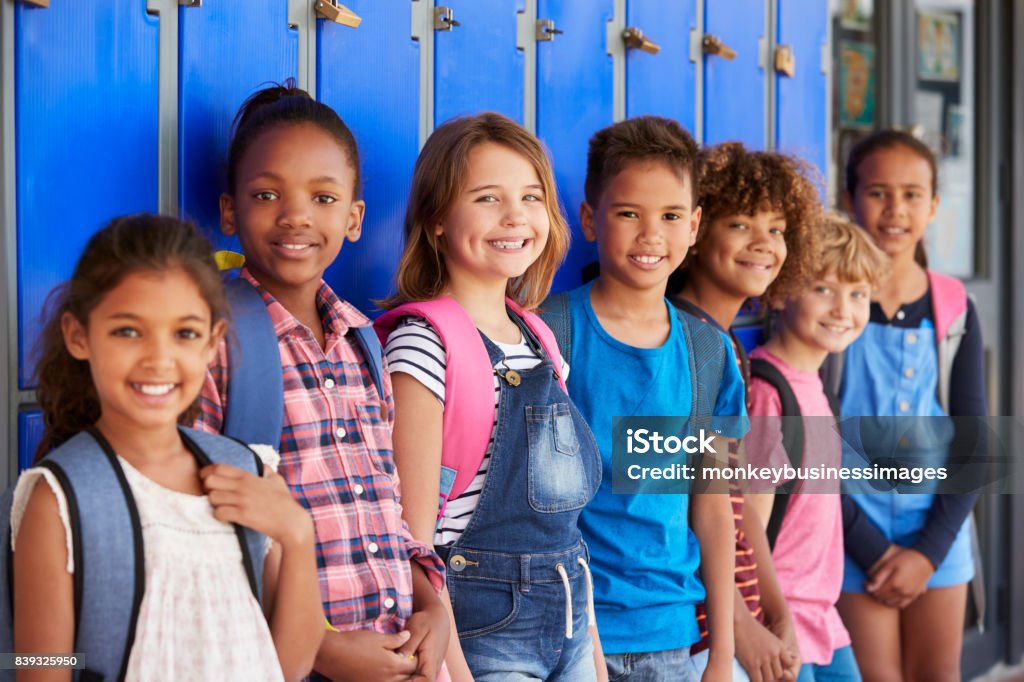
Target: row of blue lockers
(87,103)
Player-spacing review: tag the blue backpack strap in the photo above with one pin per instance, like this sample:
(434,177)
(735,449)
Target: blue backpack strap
(556,315)
(213,449)
(255,402)
(107,548)
(370,346)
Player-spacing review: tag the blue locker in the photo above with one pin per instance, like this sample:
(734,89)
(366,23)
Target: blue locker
(370,76)
(734,90)
(664,83)
(476,65)
(801,115)
(30,432)
(227,50)
(574,100)
(85,99)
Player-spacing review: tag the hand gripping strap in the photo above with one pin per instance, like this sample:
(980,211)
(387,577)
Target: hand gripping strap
(255,402)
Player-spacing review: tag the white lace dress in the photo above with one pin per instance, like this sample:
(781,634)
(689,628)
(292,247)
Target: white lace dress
(199,619)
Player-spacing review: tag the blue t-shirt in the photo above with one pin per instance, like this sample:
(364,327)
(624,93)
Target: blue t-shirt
(643,555)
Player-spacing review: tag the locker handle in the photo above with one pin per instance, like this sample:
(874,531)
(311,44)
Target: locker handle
(546,30)
(191,3)
(636,40)
(785,60)
(444,19)
(713,45)
(338,13)
(45,4)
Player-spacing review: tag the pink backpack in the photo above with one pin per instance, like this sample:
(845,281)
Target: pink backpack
(469,386)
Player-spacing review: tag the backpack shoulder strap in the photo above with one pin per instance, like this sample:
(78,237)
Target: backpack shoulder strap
(469,389)
(708,356)
(555,313)
(107,546)
(370,346)
(792,438)
(255,402)
(832,378)
(545,335)
(209,448)
(949,301)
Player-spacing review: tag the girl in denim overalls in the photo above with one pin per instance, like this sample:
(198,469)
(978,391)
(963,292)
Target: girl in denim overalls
(906,574)
(484,236)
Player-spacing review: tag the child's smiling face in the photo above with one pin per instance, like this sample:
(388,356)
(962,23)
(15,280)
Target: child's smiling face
(644,223)
(741,255)
(293,206)
(147,342)
(827,315)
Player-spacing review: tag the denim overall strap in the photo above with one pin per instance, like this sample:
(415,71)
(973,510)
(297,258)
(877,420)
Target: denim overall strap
(522,544)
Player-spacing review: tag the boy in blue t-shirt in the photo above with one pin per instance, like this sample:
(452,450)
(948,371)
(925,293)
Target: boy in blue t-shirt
(649,552)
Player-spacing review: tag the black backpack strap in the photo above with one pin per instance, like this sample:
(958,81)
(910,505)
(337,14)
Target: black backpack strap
(556,315)
(792,438)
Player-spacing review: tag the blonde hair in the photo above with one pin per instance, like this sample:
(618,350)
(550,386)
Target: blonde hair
(438,178)
(848,251)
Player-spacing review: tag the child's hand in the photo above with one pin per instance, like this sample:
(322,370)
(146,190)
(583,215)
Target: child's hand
(429,630)
(364,656)
(261,503)
(900,579)
(764,656)
(786,632)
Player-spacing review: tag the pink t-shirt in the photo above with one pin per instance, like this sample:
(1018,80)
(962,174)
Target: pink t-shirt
(808,553)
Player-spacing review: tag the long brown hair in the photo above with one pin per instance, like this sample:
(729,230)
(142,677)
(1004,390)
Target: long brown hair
(438,178)
(128,245)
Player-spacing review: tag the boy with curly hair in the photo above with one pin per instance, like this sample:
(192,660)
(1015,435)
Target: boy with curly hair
(757,240)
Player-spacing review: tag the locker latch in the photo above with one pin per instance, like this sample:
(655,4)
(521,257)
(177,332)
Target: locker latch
(785,60)
(713,45)
(37,3)
(443,19)
(546,30)
(190,3)
(338,13)
(636,40)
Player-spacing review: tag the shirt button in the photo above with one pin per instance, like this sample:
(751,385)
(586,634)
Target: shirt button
(904,442)
(340,432)
(358,489)
(900,314)
(373,548)
(328,382)
(909,372)
(389,603)
(911,338)
(904,406)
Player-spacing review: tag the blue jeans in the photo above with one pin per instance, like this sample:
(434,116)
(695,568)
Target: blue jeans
(843,668)
(673,665)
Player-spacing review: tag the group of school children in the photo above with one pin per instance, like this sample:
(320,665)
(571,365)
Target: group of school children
(504,553)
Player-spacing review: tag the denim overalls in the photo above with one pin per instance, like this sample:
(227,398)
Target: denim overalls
(892,371)
(518,577)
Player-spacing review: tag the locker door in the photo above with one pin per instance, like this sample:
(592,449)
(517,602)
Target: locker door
(574,100)
(85,101)
(662,83)
(734,90)
(370,76)
(476,65)
(227,50)
(802,100)
(30,432)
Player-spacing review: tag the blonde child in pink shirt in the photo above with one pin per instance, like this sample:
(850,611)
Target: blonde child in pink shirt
(821,317)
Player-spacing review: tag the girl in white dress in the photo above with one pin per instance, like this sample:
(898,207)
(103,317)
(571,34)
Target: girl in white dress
(125,353)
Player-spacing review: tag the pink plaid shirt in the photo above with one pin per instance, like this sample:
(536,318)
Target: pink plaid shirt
(336,456)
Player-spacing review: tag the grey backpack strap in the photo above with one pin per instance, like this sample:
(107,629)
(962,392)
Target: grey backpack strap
(213,449)
(832,374)
(107,547)
(556,315)
(707,365)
